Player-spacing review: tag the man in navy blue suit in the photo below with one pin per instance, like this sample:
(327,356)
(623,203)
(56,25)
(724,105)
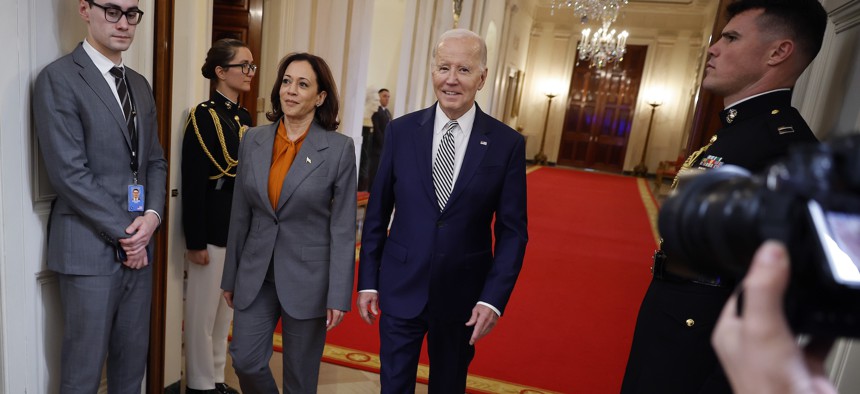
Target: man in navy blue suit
(456,178)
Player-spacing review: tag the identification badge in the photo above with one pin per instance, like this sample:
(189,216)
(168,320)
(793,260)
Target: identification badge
(135,198)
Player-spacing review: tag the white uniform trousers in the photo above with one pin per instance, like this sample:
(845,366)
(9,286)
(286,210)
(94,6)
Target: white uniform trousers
(207,322)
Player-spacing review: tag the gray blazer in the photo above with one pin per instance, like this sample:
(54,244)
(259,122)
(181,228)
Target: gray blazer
(310,236)
(87,150)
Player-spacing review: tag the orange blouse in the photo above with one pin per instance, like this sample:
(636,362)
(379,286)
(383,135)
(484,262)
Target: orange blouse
(283,153)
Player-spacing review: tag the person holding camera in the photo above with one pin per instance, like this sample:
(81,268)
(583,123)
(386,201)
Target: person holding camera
(762,51)
(753,340)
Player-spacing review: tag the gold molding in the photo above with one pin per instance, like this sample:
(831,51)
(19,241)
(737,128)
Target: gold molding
(474,384)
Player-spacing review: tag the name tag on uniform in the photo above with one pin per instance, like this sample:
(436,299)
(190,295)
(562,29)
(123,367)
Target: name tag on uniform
(135,198)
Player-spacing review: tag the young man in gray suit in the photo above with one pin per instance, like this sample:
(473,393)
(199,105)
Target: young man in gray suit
(96,124)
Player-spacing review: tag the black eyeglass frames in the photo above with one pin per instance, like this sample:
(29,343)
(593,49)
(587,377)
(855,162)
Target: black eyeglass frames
(113,14)
(247,68)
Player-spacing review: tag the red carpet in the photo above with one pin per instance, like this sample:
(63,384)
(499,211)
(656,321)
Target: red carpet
(569,324)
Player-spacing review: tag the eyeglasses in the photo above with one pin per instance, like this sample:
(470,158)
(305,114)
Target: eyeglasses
(113,14)
(247,68)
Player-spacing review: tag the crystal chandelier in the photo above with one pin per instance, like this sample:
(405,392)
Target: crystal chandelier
(590,10)
(603,47)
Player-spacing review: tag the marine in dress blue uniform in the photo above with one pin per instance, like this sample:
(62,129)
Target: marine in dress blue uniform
(671,350)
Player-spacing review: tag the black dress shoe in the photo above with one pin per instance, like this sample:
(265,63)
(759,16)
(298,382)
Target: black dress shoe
(189,390)
(223,388)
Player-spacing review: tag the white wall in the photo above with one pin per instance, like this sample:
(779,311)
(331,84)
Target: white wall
(191,41)
(671,74)
(489,17)
(826,94)
(827,97)
(422,22)
(552,49)
(335,30)
(512,55)
(413,86)
(385,44)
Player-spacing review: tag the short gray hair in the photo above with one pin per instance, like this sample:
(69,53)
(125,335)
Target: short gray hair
(463,33)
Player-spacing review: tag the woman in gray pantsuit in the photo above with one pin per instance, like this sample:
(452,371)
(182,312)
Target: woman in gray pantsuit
(291,244)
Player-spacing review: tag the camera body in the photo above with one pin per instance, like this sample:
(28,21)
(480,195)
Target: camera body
(810,201)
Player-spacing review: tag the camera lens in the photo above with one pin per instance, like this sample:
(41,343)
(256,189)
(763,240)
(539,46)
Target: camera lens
(711,224)
(809,200)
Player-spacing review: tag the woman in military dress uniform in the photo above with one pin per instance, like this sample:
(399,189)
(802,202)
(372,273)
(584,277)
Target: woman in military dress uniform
(210,151)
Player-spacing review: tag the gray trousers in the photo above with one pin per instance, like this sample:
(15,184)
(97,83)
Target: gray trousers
(251,346)
(106,316)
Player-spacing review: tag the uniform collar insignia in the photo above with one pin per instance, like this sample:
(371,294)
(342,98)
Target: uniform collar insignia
(730,117)
(221,99)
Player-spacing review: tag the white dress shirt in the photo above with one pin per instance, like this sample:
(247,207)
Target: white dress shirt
(104,65)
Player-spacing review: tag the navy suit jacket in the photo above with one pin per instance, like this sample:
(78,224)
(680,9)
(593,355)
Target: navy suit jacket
(445,260)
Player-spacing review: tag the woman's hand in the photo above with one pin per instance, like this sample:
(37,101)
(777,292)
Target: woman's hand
(228,296)
(333,317)
(200,257)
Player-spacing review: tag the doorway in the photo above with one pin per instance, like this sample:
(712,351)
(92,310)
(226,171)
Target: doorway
(599,113)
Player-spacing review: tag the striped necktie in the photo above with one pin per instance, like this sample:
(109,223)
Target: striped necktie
(122,91)
(443,165)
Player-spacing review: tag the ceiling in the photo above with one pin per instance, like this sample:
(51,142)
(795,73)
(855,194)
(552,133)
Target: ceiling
(663,1)
(641,14)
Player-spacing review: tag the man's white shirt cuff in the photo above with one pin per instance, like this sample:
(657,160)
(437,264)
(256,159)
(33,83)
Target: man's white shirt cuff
(491,307)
